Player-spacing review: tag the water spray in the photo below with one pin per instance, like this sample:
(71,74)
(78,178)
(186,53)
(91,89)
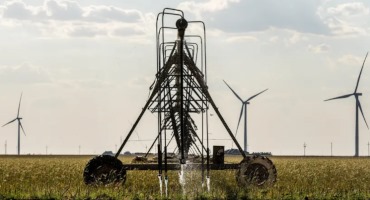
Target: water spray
(160,183)
(166,185)
(208,183)
(182,180)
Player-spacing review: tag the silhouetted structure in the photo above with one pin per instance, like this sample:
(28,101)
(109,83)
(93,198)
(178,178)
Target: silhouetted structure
(19,126)
(180,97)
(358,107)
(244,106)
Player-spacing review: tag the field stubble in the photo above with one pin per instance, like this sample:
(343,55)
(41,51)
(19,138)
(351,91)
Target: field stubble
(60,177)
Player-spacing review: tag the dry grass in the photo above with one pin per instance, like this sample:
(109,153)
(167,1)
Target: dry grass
(60,177)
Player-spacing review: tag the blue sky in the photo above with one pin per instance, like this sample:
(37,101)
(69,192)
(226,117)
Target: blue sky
(85,68)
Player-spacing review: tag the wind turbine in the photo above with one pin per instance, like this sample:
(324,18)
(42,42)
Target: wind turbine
(244,108)
(19,126)
(358,107)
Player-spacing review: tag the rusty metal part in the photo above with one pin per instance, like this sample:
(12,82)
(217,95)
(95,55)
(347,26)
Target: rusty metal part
(256,171)
(104,169)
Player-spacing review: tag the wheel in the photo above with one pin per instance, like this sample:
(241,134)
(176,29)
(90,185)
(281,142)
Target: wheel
(257,171)
(104,169)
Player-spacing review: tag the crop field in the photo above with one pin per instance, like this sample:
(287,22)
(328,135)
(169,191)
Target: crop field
(60,177)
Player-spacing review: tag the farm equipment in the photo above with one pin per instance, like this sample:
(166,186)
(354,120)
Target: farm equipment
(180,97)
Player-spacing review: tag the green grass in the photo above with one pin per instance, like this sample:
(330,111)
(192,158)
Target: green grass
(60,177)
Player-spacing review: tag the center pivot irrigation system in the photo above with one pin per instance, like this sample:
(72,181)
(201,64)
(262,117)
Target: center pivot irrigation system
(180,97)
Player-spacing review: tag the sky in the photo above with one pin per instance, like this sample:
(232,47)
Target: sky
(85,68)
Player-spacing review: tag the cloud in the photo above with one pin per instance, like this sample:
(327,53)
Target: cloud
(274,39)
(321,48)
(17,10)
(67,18)
(110,13)
(349,9)
(350,60)
(296,37)
(50,10)
(68,10)
(343,28)
(260,15)
(242,38)
(346,19)
(314,17)
(205,6)
(62,10)
(23,74)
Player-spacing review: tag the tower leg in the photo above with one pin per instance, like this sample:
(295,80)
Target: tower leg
(245,129)
(356,131)
(19,138)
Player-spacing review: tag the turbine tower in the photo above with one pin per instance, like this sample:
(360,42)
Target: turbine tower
(244,108)
(19,126)
(358,107)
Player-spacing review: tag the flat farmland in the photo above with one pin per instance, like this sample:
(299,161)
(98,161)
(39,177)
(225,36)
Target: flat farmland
(60,177)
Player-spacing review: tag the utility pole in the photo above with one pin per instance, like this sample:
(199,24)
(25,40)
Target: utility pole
(6,147)
(304,149)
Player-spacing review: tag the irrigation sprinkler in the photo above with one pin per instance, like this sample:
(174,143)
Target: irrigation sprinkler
(180,98)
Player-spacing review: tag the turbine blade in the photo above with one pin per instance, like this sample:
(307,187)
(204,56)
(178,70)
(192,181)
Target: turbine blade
(20,124)
(240,117)
(250,98)
(340,97)
(9,122)
(233,91)
(363,116)
(19,106)
(359,76)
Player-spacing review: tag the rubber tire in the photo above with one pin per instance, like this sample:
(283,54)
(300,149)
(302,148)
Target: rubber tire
(104,169)
(256,171)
